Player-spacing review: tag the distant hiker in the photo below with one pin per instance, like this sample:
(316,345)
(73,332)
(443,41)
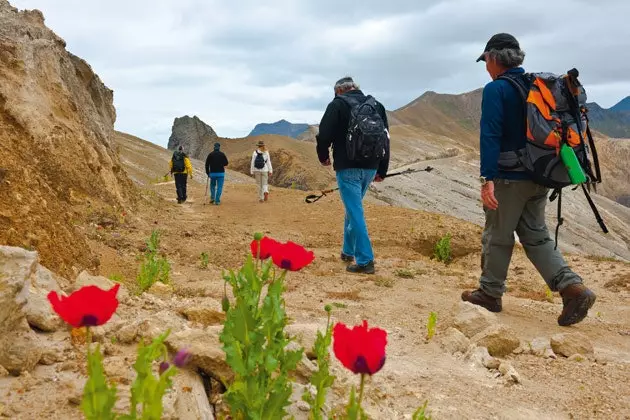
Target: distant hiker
(261,169)
(512,201)
(180,168)
(356,127)
(215,168)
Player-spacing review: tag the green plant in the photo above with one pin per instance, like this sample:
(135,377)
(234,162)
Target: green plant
(431,324)
(548,295)
(442,250)
(255,344)
(405,273)
(420,413)
(339,305)
(154,267)
(99,397)
(322,380)
(204,260)
(381,281)
(116,278)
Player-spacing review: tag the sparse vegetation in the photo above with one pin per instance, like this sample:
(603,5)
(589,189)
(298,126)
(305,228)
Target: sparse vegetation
(548,295)
(339,305)
(154,267)
(442,250)
(116,278)
(322,380)
(204,260)
(431,324)
(381,281)
(420,413)
(405,273)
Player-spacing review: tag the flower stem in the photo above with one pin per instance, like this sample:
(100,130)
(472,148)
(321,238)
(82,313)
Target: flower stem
(361,389)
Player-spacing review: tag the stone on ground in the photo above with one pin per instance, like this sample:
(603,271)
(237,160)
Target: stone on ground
(499,339)
(305,335)
(480,357)
(568,344)
(204,315)
(86,279)
(454,341)
(160,289)
(39,312)
(508,371)
(472,319)
(188,399)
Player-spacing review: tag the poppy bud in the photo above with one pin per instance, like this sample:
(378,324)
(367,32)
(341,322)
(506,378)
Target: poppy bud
(181,358)
(163,367)
(258,236)
(328,308)
(225,304)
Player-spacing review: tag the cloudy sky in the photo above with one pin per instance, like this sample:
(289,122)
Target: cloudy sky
(237,63)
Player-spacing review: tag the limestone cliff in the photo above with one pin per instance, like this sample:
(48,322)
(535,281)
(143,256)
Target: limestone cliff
(196,136)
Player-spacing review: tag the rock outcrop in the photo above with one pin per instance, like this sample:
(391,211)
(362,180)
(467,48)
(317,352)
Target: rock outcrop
(56,142)
(196,136)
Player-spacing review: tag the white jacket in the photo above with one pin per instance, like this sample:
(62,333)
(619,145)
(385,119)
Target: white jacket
(266,168)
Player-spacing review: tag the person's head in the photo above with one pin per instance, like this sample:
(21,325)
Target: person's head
(344,85)
(261,145)
(502,53)
(180,148)
(217,146)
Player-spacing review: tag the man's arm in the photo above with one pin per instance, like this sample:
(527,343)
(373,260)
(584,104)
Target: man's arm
(327,128)
(208,165)
(188,165)
(383,165)
(225,160)
(491,130)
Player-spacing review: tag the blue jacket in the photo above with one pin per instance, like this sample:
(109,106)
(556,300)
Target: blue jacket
(502,126)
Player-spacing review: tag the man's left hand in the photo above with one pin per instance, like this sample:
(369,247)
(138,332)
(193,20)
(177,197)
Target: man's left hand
(378,178)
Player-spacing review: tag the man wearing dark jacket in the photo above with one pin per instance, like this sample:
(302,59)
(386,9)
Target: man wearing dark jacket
(215,168)
(353,177)
(512,201)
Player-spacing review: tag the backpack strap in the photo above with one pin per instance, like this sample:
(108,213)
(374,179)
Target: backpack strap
(598,217)
(352,102)
(557,193)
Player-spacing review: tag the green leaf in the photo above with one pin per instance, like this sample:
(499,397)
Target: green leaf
(420,413)
(98,398)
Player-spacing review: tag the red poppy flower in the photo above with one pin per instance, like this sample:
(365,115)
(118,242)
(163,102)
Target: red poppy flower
(87,307)
(292,257)
(267,247)
(360,349)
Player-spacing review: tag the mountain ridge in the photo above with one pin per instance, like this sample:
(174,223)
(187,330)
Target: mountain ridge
(280,128)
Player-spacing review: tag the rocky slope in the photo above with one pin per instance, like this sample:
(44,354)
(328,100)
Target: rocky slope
(280,128)
(196,136)
(57,158)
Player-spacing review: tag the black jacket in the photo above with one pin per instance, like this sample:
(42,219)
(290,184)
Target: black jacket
(216,162)
(333,130)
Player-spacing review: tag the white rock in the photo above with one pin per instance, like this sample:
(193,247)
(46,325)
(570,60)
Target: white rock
(305,335)
(568,344)
(454,341)
(160,289)
(473,319)
(86,279)
(187,399)
(539,346)
(39,312)
(500,340)
(480,357)
(17,270)
(508,371)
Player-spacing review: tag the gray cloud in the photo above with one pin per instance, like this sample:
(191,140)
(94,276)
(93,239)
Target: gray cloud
(235,64)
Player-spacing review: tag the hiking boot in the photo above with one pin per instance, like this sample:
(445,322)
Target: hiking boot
(347,258)
(480,298)
(179,201)
(266,196)
(211,201)
(361,269)
(577,300)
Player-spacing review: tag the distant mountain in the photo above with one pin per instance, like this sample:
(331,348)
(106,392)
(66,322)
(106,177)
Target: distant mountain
(281,128)
(622,106)
(613,123)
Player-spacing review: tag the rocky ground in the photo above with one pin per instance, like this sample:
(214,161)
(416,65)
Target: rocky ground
(516,365)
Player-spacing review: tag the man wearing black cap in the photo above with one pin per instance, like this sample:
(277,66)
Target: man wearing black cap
(215,168)
(353,176)
(512,201)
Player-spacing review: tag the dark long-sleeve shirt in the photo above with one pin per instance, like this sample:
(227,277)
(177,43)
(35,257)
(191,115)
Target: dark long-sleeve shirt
(502,126)
(216,162)
(333,130)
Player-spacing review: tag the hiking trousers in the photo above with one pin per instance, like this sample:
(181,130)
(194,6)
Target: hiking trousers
(353,184)
(262,180)
(180,186)
(521,210)
(216,187)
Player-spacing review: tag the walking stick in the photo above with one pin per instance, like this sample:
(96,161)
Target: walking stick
(315,197)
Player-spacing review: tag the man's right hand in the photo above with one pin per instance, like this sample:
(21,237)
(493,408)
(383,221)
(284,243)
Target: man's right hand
(326,162)
(487,196)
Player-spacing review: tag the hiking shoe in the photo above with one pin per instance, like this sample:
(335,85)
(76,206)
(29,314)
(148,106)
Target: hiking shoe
(480,298)
(346,258)
(179,201)
(361,269)
(266,196)
(577,300)
(211,201)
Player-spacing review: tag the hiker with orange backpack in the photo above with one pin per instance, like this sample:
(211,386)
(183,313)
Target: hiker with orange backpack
(181,168)
(524,125)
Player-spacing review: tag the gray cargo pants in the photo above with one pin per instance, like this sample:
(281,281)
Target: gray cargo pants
(521,210)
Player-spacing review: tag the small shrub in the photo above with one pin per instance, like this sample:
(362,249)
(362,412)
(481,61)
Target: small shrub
(154,267)
(405,273)
(420,413)
(431,324)
(442,250)
(204,260)
(381,281)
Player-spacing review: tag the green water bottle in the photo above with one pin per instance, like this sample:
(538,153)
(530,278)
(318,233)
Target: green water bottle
(571,162)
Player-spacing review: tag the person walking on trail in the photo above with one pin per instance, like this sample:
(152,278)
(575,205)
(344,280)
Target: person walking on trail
(512,201)
(180,167)
(356,127)
(261,169)
(215,168)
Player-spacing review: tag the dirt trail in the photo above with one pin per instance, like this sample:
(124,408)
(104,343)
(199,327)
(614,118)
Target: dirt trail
(403,239)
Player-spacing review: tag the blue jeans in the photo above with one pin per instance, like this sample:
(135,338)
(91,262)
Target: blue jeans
(216,186)
(353,184)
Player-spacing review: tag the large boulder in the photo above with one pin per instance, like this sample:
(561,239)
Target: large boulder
(500,340)
(204,315)
(194,135)
(188,399)
(20,349)
(39,312)
(86,279)
(150,327)
(568,344)
(472,319)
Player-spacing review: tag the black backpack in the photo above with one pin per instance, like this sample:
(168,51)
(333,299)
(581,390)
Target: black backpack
(259,160)
(178,162)
(367,139)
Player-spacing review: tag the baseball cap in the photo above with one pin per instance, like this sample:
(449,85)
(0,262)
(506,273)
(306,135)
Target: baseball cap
(500,41)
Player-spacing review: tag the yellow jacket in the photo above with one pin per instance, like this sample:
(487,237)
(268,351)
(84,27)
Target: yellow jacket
(187,164)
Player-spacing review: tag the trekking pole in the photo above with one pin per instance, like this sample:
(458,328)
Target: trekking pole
(315,197)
